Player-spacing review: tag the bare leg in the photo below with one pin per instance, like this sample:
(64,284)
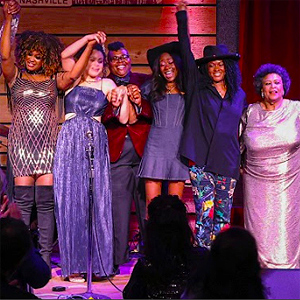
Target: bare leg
(176,188)
(153,189)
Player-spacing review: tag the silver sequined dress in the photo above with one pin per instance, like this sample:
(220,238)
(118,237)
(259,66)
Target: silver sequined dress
(272,182)
(33,133)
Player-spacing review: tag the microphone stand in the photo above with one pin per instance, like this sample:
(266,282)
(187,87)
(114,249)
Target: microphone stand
(90,156)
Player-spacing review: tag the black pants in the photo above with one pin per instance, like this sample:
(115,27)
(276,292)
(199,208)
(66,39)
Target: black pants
(126,186)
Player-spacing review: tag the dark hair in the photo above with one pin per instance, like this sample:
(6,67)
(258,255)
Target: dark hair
(49,46)
(235,269)
(15,243)
(233,77)
(158,80)
(266,69)
(115,46)
(97,47)
(169,237)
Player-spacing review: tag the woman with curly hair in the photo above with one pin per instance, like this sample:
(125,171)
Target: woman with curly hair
(270,137)
(33,84)
(215,103)
(160,161)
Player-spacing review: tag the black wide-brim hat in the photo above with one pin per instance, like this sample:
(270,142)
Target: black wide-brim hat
(152,54)
(218,52)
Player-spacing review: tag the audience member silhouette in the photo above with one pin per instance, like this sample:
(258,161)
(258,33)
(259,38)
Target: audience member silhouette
(170,256)
(233,270)
(16,244)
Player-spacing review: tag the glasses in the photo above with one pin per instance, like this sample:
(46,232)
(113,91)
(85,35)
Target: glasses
(119,58)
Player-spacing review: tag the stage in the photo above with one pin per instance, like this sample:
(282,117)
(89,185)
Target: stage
(104,287)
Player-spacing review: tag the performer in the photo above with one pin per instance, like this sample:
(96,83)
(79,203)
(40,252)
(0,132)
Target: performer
(84,105)
(161,160)
(271,139)
(126,145)
(215,102)
(33,85)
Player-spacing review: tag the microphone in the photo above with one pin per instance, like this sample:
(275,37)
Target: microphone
(89,135)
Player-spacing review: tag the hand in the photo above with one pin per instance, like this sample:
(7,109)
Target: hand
(99,37)
(181,5)
(9,210)
(134,94)
(117,95)
(13,7)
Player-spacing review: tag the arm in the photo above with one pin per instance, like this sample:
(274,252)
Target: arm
(119,100)
(67,56)
(8,67)
(190,71)
(75,69)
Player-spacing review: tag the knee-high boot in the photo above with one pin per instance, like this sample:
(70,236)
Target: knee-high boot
(24,197)
(44,199)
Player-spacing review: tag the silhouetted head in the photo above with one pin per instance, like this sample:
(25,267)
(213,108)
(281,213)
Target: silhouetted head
(15,244)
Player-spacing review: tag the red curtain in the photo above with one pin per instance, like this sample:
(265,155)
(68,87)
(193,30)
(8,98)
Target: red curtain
(270,33)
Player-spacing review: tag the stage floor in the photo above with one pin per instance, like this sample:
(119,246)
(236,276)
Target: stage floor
(104,288)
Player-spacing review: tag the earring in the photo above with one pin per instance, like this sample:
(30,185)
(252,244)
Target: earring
(262,94)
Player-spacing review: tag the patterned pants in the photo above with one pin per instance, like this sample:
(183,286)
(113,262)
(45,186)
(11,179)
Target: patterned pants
(213,196)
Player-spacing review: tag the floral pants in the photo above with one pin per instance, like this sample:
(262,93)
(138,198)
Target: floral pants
(213,196)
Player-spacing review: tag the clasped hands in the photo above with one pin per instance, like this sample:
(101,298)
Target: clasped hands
(122,93)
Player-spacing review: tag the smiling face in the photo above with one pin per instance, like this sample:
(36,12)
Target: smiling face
(272,88)
(216,70)
(167,67)
(119,62)
(95,64)
(33,61)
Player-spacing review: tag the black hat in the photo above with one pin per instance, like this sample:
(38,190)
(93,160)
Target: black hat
(218,52)
(152,54)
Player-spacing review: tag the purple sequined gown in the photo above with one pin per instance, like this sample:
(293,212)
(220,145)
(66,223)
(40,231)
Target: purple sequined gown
(71,185)
(272,182)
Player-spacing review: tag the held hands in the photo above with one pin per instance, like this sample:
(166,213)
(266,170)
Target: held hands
(117,95)
(181,5)
(10,8)
(134,94)
(94,38)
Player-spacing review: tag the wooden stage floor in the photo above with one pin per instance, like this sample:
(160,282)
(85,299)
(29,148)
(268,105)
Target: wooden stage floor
(104,288)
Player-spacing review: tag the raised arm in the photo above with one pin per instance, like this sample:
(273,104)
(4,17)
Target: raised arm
(67,56)
(8,30)
(74,69)
(190,70)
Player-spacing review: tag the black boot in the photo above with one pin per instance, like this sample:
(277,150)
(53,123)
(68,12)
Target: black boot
(44,199)
(24,197)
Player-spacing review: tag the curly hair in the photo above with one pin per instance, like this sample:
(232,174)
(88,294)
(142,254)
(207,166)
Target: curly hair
(49,47)
(266,69)
(159,82)
(233,76)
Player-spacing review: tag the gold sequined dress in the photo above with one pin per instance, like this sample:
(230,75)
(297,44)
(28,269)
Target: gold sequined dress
(272,182)
(33,133)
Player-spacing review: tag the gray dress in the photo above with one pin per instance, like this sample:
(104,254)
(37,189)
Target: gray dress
(161,159)
(272,182)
